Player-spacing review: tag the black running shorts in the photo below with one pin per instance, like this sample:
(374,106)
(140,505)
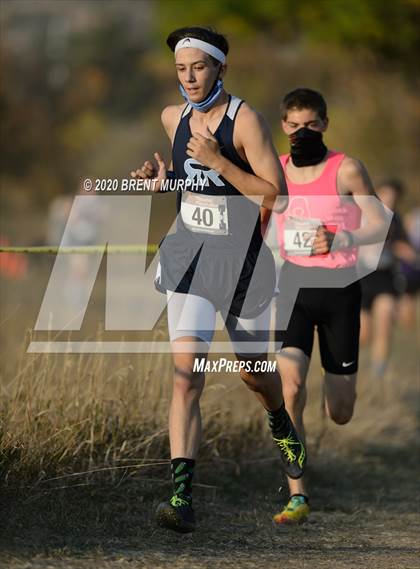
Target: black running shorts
(382,281)
(334,312)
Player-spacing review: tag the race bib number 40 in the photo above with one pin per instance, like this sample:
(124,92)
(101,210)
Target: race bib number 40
(205,214)
(299,235)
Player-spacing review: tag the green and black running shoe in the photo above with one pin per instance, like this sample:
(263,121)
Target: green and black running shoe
(177,514)
(292,452)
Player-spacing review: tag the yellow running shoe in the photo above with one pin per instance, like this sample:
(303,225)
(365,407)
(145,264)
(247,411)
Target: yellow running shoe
(295,512)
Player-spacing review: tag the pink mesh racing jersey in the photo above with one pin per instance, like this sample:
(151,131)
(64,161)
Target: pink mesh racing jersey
(311,205)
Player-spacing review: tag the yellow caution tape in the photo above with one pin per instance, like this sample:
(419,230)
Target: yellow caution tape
(84,249)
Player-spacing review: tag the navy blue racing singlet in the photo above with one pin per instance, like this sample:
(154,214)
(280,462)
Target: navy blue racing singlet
(238,211)
(218,237)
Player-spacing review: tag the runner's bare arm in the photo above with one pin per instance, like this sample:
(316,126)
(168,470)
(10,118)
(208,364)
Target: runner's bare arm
(254,137)
(353,179)
(265,216)
(170,118)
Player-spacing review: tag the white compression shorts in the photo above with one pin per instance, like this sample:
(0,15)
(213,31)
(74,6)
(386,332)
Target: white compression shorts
(195,316)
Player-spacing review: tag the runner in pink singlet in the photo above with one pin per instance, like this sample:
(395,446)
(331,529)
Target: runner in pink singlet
(318,235)
(313,204)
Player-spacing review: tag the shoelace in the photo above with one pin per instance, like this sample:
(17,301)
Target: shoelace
(176,501)
(283,445)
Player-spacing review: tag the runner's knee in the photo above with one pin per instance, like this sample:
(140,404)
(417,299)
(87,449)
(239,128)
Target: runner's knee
(340,396)
(294,390)
(342,411)
(187,383)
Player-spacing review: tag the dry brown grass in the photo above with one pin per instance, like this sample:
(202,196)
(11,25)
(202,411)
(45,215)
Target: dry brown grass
(87,412)
(69,413)
(84,456)
(72,413)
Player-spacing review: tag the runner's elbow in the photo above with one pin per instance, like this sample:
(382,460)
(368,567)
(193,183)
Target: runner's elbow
(280,203)
(274,201)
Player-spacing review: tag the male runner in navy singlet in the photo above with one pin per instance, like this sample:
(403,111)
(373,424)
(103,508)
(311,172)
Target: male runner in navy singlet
(207,265)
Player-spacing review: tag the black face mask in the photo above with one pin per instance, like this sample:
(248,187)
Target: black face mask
(307,147)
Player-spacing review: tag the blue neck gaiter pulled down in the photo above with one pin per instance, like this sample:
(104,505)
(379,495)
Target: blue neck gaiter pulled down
(204,105)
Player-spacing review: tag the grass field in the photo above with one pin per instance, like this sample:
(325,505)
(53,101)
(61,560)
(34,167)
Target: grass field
(84,462)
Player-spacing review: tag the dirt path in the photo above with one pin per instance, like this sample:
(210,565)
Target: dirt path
(365,503)
(358,521)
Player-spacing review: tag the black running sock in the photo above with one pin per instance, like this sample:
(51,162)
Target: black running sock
(182,471)
(279,422)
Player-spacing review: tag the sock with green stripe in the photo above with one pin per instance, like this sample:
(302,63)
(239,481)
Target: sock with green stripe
(182,471)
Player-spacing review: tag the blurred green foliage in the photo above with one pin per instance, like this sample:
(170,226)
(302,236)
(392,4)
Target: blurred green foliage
(57,108)
(85,100)
(387,28)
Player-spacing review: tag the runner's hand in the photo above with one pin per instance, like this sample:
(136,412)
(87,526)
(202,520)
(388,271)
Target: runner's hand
(150,171)
(326,241)
(204,149)
(323,241)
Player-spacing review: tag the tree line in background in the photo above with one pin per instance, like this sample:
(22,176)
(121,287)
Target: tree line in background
(62,100)
(388,29)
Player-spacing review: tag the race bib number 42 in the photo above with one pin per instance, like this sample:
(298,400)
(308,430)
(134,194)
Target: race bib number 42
(205,214)
(299,235)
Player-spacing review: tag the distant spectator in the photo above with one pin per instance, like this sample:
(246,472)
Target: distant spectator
(382,288)
(411,271)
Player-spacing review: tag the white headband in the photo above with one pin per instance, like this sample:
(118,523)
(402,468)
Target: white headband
(203,45)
